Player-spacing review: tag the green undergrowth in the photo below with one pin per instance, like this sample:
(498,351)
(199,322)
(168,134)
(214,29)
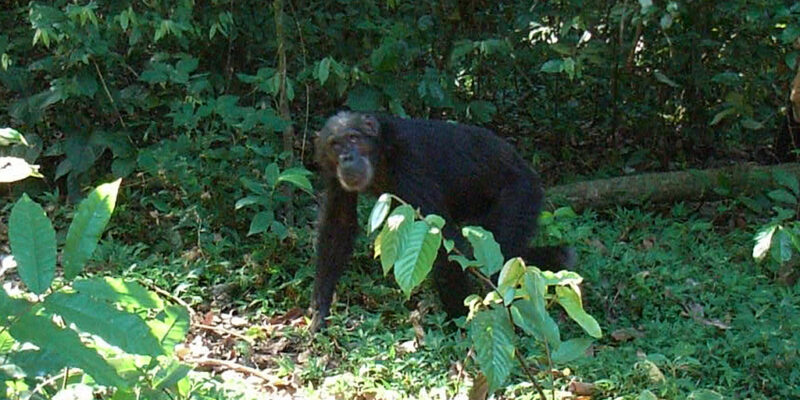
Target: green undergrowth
(687,312)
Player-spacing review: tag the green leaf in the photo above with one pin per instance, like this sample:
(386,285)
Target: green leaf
(753,125)
(705,394)
(434,220)
(786,180)
(553,66)
(783,196)
(379,212)
(647,395)
(570,300)
(493,338)
(11,307)
(271,174)
(389,243)
(414,262)
(170,326)
(297,179)
(722,114)
(763,240)
(449,245)
(93,214)
(38,362)
(571,350)
(261,222)
(41,331)
(565,212)
(13,169)
(10,136)
(124,330)
(170,376)
(464,261)
(531,314)
(248,201)
(485,249)
(6,342)
(781,249)
(509,278)
(535,321)
(33,243)
(324,70)
(116,290)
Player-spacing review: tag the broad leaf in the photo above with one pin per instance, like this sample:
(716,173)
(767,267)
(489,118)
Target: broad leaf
(324,70)
(38,362)
(571,350)
(33,243)
(170,327)
(781,249)
(271,173)
(14,169)
(298,178)
(509,278)
(420,246)
(493,339)
(11,136)
(531,314)
(261,222)
(783,196)
(41,331)
(763,240)
(116,290)
(88,224)
(435,221)
(485,249)
(552,66)
(787,180)
(664,79)
(170,376)
(250,200)
(705,394)
(389,244)
(570,300)
(379,212)
(124,330)
(11,307)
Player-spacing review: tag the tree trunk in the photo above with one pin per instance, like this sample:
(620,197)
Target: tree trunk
(694,185)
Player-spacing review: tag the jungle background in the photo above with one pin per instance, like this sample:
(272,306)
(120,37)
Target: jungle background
(207,111)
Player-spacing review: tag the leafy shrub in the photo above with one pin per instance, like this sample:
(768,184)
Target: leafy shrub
(116,332)
(408,243)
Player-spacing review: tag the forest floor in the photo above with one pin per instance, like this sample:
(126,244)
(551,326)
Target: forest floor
(686,313)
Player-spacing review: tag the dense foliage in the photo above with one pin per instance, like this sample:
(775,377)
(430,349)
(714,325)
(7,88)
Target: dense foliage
(207,110)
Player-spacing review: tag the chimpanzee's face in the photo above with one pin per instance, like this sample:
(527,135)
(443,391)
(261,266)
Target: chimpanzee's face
(349,142)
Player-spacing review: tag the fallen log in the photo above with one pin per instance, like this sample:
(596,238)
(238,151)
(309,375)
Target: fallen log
(670,187)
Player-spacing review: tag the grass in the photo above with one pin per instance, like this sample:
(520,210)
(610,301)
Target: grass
(684,309)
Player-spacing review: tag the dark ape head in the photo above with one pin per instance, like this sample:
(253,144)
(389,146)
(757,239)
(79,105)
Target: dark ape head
(347,146)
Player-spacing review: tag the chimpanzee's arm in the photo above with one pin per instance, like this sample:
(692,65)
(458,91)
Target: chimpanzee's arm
(338,225)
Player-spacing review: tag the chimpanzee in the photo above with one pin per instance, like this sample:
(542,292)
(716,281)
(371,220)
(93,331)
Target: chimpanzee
(466,174)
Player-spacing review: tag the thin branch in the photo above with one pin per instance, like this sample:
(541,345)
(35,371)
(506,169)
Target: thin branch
(213,362)
(169,295)
(108,94)
(220,330)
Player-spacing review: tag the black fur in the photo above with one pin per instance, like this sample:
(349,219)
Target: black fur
(466,174)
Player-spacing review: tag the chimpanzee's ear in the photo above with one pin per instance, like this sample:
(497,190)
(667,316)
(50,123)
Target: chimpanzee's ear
(371,125)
